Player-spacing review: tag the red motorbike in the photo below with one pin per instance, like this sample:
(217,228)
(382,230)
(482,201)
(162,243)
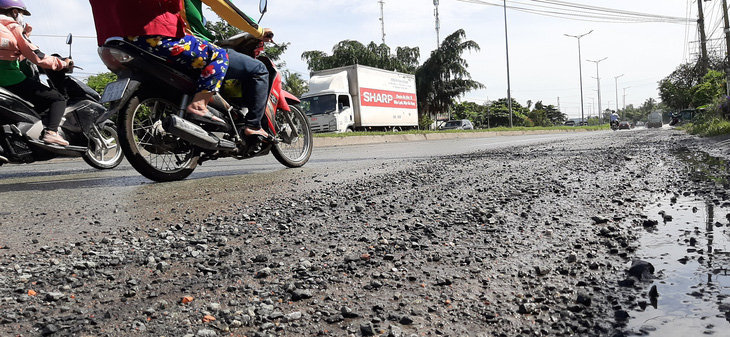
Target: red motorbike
(150,97)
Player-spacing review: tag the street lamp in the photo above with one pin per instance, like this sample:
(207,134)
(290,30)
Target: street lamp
(598,79)
(615,79)
(623,113)
(580,71)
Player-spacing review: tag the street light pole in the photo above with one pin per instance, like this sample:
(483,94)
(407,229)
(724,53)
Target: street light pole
(615,79)
(623,113)
(598,79)
(580,71)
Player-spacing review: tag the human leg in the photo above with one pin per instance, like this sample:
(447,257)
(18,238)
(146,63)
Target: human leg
(254,78)
(44,98)
(194,53)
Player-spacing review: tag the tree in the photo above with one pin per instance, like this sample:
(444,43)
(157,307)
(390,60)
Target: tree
(499,113)
(349,52)
(678,90)
(294,84)
(444,76)
(98,82)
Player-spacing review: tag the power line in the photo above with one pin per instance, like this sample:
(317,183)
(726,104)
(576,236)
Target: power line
(566,10)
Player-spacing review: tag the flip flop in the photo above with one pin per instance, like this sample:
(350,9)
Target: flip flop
(208,118)
(260,135)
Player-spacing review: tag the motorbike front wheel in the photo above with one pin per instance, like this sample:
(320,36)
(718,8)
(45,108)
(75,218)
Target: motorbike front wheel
(295,138)
(104,152)
(154,153)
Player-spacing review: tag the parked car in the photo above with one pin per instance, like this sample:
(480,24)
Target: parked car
(569,123)
(624,125)
(461,124)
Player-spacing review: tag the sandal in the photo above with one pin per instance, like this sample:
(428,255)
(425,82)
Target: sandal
(208,118)
(259,134)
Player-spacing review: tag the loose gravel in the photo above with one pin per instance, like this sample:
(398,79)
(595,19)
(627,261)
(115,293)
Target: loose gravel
(536,240)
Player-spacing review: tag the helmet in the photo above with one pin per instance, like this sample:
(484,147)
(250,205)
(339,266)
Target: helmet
(18,4)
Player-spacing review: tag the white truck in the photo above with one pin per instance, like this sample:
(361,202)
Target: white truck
(361,98)
(654,120)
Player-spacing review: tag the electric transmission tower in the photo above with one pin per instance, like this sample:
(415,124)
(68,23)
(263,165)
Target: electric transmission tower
(438,25)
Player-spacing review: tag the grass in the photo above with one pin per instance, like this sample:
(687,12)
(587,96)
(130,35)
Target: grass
(710,128)
(499,129)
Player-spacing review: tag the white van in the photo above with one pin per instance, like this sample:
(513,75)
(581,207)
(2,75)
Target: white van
(655,120)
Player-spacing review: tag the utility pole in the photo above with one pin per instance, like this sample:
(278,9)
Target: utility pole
(506,47)
(438,24)
(703,37)
(727,47)
(382,20)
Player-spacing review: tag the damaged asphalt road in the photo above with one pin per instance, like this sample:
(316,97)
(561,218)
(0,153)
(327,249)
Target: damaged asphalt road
(532,240)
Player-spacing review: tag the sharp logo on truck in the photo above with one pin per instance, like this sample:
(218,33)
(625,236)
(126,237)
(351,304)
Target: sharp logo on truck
(387,99)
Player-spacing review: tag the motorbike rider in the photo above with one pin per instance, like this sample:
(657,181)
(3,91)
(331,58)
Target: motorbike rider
(614,118)
(251,73)
(15,46)
(158,27)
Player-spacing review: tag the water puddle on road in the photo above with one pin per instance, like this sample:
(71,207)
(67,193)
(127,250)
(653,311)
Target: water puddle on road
(691,254)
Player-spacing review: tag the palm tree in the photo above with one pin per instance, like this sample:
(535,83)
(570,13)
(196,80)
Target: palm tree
(294,84)
(444,76)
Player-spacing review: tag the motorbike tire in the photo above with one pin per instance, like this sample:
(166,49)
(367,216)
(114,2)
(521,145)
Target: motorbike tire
(154,153)
(100,158)
(293,151)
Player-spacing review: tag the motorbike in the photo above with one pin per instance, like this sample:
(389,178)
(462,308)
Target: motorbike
(614,125)
(85,124)
(675,119)
(151,96)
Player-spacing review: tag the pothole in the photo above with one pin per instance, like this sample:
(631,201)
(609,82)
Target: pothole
(690,250)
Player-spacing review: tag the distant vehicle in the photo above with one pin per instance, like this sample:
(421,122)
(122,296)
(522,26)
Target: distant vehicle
(624,125)
(360,98)
(569,123)
(462,124)
(655,120)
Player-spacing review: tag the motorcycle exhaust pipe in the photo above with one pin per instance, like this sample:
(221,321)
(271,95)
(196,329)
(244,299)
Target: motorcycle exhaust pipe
(195,134)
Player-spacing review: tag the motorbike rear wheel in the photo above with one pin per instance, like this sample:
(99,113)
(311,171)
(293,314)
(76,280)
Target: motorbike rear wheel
(295,138)
(154,153)
(104,152)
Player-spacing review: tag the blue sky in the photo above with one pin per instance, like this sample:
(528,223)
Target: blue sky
(543,62)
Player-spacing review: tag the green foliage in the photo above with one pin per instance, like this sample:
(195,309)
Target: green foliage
(294,84)
(425,122)
(688,86)
(444,77)
(221,29)
(98,82)
(349,52)
(711,86)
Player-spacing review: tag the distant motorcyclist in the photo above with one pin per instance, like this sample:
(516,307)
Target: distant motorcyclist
(614,118)
(15,46)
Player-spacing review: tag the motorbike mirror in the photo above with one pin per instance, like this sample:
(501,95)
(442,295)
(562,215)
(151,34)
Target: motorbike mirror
(262,9)
(69,40)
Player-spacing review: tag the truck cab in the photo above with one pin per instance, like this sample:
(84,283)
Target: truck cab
(329,112)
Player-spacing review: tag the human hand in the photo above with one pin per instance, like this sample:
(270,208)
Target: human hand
(268,35)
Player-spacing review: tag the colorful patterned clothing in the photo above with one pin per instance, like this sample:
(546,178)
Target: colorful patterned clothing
(191,52)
